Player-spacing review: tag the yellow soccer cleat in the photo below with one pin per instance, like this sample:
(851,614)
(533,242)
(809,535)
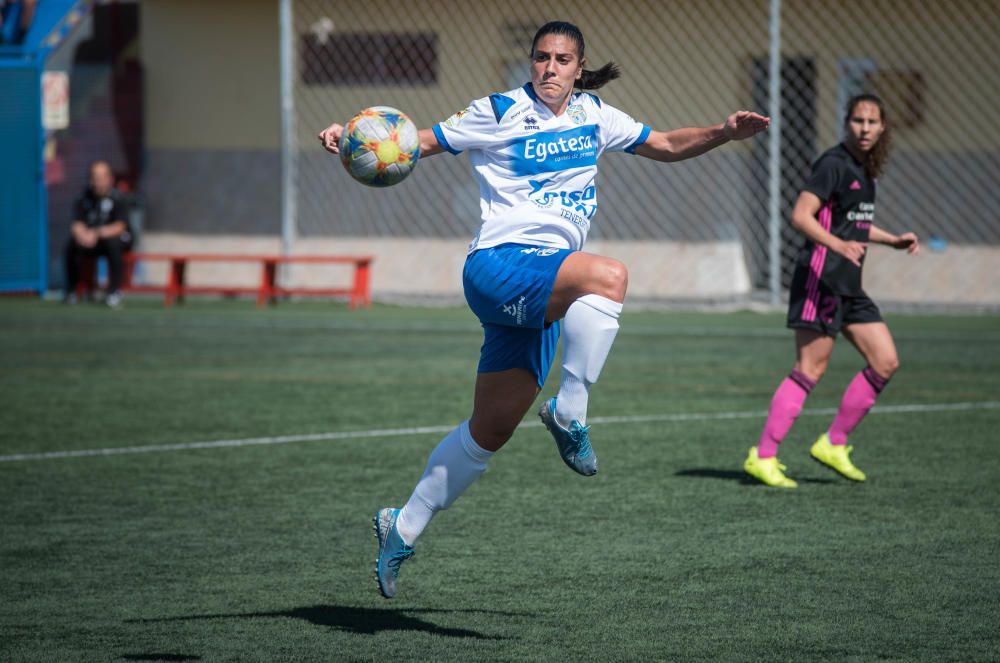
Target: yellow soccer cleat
(767,470)
(836,456)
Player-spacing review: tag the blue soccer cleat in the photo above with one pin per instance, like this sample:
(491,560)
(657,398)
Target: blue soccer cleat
(574,444)
(392,552)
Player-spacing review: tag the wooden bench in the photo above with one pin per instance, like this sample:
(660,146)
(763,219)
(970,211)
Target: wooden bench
(267,289)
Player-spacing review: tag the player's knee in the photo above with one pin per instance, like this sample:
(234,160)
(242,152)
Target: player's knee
(490,435)
(886,367)
(613,280)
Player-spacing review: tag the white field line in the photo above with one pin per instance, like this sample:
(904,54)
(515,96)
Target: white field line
(424,430)
(306,323)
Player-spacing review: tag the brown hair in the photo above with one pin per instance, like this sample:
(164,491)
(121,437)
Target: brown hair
(878,157)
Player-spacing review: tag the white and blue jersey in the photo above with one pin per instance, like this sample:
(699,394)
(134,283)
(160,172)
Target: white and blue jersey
(537,172)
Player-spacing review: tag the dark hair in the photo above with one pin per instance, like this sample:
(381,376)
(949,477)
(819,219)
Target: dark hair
(878,157)
(589,80)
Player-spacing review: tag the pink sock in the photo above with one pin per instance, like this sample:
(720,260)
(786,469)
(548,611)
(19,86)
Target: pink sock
(785,408)
(858,399)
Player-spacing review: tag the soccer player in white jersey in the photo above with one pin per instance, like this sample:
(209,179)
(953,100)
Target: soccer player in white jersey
(534,153)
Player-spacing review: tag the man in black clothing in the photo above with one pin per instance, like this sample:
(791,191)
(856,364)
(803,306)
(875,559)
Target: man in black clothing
(100,228)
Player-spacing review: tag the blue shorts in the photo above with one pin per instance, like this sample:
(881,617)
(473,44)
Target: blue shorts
(508,288)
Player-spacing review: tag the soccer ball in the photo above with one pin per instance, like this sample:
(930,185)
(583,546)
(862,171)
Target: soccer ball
(379,146)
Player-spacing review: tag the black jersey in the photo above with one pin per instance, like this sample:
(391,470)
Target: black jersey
(96,211)
(848,210)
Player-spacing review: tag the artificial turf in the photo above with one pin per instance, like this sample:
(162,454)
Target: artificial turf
(262,552)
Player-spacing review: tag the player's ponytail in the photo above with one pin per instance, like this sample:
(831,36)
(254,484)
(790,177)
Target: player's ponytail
(589,79)
(878,157)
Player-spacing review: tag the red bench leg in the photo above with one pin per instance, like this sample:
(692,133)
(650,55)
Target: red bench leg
(361,294)
(129,272)
(175,282)
(267,281)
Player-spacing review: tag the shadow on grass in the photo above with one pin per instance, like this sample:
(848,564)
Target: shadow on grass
(367,621)
(160,657)
(736,475)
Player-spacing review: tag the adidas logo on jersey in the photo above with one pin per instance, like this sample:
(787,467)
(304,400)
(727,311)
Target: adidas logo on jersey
(855,185)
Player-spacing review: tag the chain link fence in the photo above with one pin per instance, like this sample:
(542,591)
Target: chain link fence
(684,63)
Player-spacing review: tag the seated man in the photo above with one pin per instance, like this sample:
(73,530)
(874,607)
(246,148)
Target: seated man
(100,228)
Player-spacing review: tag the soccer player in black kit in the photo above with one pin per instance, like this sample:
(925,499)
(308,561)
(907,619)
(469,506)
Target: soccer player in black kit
(835,211)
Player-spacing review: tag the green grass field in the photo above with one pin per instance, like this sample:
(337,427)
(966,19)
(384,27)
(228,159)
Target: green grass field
(262,552)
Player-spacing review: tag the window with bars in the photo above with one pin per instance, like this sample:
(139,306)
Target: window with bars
(370,58)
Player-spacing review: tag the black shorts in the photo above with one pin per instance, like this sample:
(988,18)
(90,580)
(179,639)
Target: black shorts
(813,305)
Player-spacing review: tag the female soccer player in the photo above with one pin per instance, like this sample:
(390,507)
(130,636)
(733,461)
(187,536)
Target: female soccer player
(534,153)
(835,211)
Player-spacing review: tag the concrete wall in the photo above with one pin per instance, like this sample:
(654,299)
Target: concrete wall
(418,267)
(212,116)
(958,275)
(954,275)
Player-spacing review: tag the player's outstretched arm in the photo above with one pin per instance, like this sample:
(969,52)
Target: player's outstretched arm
(329,138)
(681,144)
(907,240)
(429,145)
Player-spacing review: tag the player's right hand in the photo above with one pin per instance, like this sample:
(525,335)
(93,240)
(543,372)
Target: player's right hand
(853,251)
(908,241)
(330,137)
(744,124)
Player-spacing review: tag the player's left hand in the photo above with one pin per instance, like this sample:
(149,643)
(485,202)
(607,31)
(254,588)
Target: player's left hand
(744,124)
(908,241)
(330,137)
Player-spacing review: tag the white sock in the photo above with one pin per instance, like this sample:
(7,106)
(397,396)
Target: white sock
(454,464)
(588,330)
